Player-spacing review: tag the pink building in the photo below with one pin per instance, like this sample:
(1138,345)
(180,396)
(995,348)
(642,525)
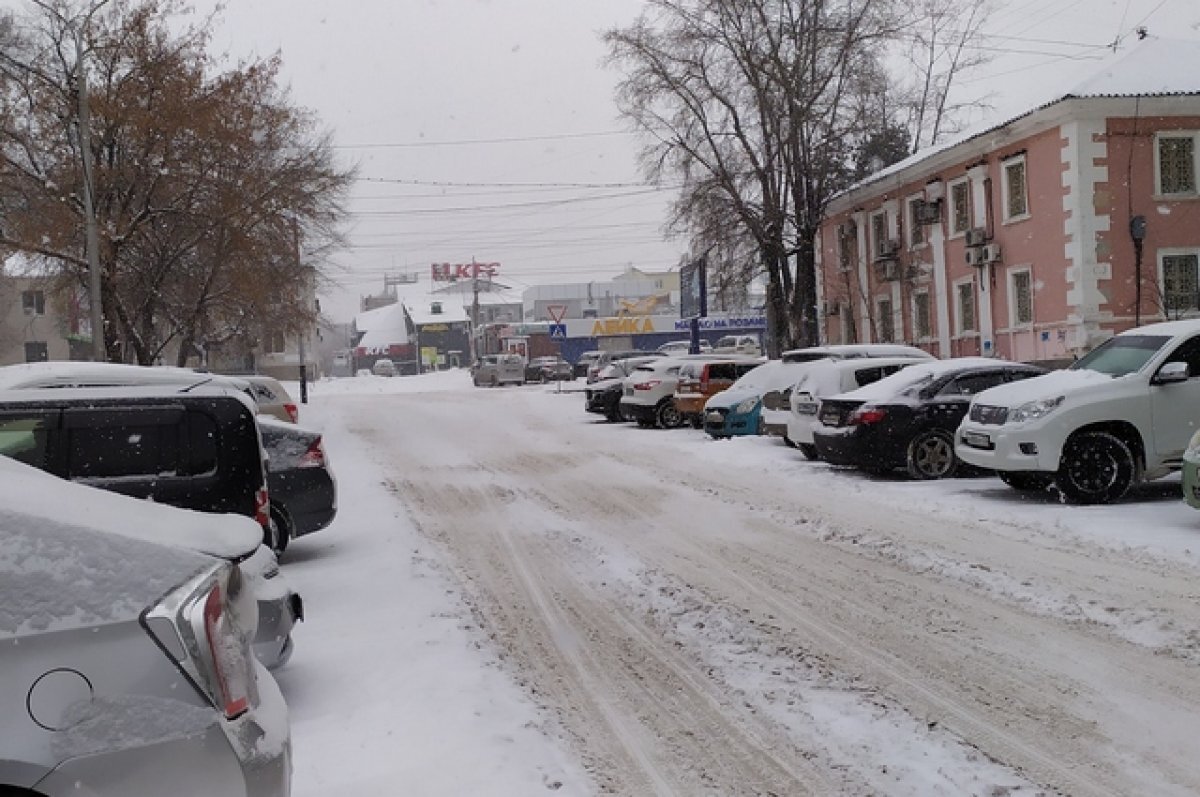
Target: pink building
(1030,240)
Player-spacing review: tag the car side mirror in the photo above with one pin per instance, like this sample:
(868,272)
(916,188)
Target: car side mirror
(1171,373)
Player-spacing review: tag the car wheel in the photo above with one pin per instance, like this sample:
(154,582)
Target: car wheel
(1096,468)
(667,416)
(495,381)
(789,442)
(931,455)
(808,450)
(1026,480)
(278,533)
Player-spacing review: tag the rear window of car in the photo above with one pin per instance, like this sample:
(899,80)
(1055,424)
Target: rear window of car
(722,371)
(23,437)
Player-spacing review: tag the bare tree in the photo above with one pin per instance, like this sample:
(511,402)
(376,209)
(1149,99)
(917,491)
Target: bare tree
(757,105)
(943,44)
(204,179)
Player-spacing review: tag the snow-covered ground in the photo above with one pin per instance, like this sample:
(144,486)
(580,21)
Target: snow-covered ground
(516,598)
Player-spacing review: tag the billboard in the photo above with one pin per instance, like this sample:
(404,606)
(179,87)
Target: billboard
(693,290)
(452,272)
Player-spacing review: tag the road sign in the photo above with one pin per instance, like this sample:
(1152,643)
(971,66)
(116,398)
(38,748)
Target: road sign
(557,313)
(558,331)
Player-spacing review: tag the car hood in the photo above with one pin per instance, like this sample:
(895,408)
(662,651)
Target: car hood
(32,492)
(730,398)
(1051,385)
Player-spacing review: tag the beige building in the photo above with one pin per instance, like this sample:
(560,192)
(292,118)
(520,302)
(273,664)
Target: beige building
(36,324)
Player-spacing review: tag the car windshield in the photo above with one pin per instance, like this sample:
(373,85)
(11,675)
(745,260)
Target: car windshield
(1122,355)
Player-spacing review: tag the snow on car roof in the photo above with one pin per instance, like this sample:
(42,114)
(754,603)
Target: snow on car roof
(851,350)
(38,495)
(824,377)
(71,373)
(771,375)
(918,372)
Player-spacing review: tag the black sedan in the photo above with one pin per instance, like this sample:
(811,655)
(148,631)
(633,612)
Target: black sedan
(907,420)
(300,485)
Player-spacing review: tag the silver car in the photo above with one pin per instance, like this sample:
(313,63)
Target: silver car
(125,663)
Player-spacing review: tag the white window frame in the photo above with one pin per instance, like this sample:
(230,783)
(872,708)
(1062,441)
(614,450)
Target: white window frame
(880,315)
(953,217)
(1175,252)
(1194,135)
(1004,166)
(959,329)
(876,241)
(910,222)
(917,332)
(1013,323)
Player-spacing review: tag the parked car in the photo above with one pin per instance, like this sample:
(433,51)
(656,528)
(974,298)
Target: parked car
(647,392)
(272,398)
(494,370)
(847,351)
(383,367)
(738,344)
(676,347)
(907,420)
(606,357)
(585,361)
(196,449)
(755,404)
(125,666)
(1123,413)
(549,369)
(701,379)
(300,483)
(829,377)
(603,396)
(1191,472)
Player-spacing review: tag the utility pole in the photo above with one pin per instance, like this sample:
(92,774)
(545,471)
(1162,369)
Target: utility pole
(474,309)
(303,331)
(92,240)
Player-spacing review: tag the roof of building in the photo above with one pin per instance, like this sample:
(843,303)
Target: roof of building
(386,326)
(1154,67)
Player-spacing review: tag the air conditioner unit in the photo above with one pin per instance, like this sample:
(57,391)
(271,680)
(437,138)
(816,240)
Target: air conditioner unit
(975,256)
(991,253)
(976,236)
(887,249)
(889,271)
(928,212)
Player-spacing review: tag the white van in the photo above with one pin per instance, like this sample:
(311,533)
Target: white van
(738,344)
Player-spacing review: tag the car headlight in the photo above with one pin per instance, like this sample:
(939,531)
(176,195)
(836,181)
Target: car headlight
(746,405)
(1033,410)
(1192,454)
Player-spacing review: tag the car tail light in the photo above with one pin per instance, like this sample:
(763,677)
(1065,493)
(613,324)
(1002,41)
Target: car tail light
(233,673)
(293,412)
(650,385)
(262,506)
(867,415)
(314,455)
(704,380)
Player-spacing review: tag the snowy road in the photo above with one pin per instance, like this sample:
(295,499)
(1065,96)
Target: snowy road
(699,617)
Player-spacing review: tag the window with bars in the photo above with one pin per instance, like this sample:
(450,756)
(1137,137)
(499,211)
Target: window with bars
(916,232)
(921,319)
(887,323)
(1177,164)
(1022,298)
(1016,201)
(966,307)
(960,207)
(1181,291)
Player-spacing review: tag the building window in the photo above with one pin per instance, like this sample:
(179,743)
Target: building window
(1016,199)
(36,351)
(916,231)
(921,320)
(847,243)
(960,207)
(33,303)
(1181,291)
(879,234)
(887,324)
(276,343)
(1176,155)
(1021,297)
(965,301)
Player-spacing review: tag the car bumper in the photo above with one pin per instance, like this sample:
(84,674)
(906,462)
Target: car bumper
(250,756)
(690,405)
(279,609)
(1012,448)
(642,413)
(726,423)
(308,497)
(856,447)
(800,428)
(1191,481)
(603,403)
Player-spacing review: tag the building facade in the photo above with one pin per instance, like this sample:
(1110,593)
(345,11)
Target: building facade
(1039,238)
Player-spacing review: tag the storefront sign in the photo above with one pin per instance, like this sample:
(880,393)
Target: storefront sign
(451,272)
(632,325)
(750,322)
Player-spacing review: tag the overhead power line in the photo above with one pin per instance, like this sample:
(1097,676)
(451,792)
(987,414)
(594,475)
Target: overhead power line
(473,141)
(461,184)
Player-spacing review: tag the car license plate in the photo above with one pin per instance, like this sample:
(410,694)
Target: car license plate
(806,409)
(830,417)
(977,440)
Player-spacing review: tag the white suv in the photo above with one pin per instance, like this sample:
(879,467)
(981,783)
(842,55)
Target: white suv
(1121,414)
(648,392)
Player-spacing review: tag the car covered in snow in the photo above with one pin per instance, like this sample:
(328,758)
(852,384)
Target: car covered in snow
(125,660)
(603,396)
(847,351)
(1121,414)
(907,420)
(755,404)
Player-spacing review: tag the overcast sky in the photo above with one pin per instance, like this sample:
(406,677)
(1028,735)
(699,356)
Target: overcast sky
(445,104)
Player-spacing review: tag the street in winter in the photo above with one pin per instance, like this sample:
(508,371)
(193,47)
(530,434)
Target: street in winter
(518,598)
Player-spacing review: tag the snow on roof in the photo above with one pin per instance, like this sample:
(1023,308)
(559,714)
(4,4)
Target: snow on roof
(386,326)
(1154,67)
(915,374)
(420,309)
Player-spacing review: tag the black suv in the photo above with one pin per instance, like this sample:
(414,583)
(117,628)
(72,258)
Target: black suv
(196,449)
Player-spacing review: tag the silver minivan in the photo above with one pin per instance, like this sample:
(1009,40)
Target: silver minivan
(125,662)
(499,369)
